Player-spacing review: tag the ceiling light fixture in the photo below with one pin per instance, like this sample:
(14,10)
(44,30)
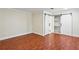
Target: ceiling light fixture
(51,8)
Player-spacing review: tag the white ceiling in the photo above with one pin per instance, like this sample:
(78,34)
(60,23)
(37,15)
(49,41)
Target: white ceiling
(40,9)
(31,9)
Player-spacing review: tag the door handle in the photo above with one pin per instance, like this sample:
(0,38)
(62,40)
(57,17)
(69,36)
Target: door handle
(60,24)
(49,24)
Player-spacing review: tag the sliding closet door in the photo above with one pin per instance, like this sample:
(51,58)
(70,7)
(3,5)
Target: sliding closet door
(48,24)
(66,24)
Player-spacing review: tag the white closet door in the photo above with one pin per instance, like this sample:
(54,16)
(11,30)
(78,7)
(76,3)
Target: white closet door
(49,24)
(66,27)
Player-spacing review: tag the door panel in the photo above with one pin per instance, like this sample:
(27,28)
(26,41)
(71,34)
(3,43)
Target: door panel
(66,24)
(49,24)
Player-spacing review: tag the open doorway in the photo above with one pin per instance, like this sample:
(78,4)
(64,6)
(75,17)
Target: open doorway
(58,24)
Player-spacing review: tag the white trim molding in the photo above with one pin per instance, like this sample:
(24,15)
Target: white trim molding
(12,36)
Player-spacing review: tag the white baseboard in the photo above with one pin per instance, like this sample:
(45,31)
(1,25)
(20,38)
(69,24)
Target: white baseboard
(69,34)
(28,33)
(12,36)
(75,35)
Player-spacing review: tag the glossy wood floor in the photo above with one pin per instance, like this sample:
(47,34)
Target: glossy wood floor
(25,42)
(62,42)
(37,42)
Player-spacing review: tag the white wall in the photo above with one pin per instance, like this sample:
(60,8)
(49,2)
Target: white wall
(14,22)
(75,14)
(37,22)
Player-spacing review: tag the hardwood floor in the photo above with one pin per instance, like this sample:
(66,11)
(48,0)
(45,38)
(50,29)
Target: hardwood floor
(26,42)
(62,42)
(37,42)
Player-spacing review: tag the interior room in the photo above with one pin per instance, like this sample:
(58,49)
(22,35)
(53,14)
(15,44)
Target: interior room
(39,28)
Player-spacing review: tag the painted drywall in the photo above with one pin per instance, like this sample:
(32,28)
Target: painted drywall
(75,15)
(37,23)
(14,22)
